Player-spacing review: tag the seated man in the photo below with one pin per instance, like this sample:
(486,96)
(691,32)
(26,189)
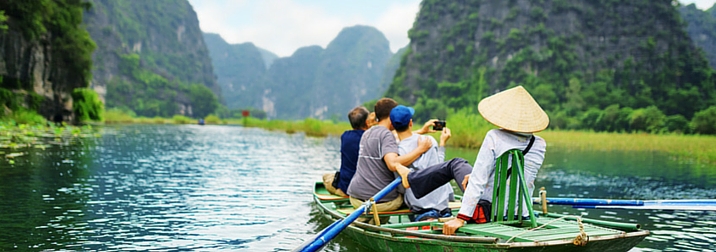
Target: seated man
(378,159)
(350,139)
(435,204)
(518,115)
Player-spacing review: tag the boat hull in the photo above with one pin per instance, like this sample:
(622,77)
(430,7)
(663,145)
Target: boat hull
(378,238)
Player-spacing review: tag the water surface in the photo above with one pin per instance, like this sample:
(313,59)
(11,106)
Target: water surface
(190,187)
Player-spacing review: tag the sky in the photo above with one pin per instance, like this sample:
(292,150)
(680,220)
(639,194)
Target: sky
(282,26)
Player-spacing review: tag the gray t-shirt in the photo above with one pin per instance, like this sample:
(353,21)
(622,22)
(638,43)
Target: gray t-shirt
(372,174)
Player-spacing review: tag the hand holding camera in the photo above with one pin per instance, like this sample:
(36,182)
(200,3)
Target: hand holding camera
(439,125)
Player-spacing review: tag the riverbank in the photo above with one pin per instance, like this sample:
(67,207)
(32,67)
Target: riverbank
(688,148)
(469,130)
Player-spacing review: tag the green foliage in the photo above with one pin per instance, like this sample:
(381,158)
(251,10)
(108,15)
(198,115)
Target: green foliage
(9,99)
(118,115)
(86,105)
(56,24)
(203,100)
(650,119)
(164,33)
(35,101)
(3,20)
(704,122)
(149,94)
(212,119)
(180,119)
(24,116)
(593,78)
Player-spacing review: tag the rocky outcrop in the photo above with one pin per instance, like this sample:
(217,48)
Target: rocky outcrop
(577,55)
(701,26)
(42,62)
(165,34)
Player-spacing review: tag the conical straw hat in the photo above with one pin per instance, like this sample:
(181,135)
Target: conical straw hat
(514,110)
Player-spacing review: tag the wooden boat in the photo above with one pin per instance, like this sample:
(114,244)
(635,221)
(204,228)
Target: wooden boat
(554,232)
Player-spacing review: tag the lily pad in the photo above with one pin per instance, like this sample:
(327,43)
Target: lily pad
(13,155)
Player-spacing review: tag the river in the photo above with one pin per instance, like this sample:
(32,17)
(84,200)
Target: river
(190,187)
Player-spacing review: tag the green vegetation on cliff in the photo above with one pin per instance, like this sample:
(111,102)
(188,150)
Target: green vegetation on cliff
(149,56)
(46,54)
(149,94)
(598,65)
(701,26)
(57,22)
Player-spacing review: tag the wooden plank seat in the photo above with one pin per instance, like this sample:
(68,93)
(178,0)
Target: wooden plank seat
(322,194)
(454,206)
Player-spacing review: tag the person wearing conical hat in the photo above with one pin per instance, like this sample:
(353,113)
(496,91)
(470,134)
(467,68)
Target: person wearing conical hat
(519,116)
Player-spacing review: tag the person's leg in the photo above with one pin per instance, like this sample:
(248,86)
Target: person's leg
(328,183)
(382,207)
(426,180)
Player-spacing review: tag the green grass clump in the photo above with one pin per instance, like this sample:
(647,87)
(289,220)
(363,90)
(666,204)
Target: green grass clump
(212,119)
(180,119)
(27,117)
(115,115)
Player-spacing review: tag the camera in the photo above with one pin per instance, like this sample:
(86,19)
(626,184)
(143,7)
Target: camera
(439,125)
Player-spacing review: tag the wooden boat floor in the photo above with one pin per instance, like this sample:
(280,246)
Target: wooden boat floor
(556,230)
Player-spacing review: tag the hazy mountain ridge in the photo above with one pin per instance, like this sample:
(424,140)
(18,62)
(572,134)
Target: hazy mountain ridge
(701,26)
(313,82)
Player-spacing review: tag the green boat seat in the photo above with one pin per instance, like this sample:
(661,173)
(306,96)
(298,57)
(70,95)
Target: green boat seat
(512,176)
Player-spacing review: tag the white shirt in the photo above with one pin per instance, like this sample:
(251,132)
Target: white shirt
(497,142)
(437,199)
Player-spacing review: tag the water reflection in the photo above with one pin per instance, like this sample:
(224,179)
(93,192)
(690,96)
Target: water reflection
(168,187)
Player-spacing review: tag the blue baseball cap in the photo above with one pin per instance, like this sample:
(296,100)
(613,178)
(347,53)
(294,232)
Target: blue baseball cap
(400,116)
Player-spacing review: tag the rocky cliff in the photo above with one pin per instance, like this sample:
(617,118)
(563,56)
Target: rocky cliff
(572,55)
(165,37)
(701,26)
(44,56)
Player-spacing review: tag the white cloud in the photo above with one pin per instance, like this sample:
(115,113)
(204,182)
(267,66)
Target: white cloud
(701,4)
(282,26)
(395,23)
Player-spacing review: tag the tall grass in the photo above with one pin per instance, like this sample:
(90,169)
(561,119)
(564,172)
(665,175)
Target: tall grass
(693,148)
(27,117)
(310,126)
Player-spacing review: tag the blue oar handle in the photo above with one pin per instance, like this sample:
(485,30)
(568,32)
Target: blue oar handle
(591,202)
(332,231)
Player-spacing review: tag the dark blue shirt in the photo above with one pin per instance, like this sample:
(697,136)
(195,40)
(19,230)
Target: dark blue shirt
(350,143)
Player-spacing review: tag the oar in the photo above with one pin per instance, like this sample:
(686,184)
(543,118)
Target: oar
(690,204)
(331,231)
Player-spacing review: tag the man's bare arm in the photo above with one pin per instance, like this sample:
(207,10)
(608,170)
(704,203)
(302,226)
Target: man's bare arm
(391,160)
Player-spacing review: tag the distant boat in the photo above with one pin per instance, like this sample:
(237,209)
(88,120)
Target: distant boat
(201,121)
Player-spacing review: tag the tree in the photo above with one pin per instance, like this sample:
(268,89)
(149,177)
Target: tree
(203,101)
(87,105)
(704,121)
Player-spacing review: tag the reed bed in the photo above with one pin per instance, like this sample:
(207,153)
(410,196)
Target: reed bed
(468,131)
(310,126)
(696,148)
